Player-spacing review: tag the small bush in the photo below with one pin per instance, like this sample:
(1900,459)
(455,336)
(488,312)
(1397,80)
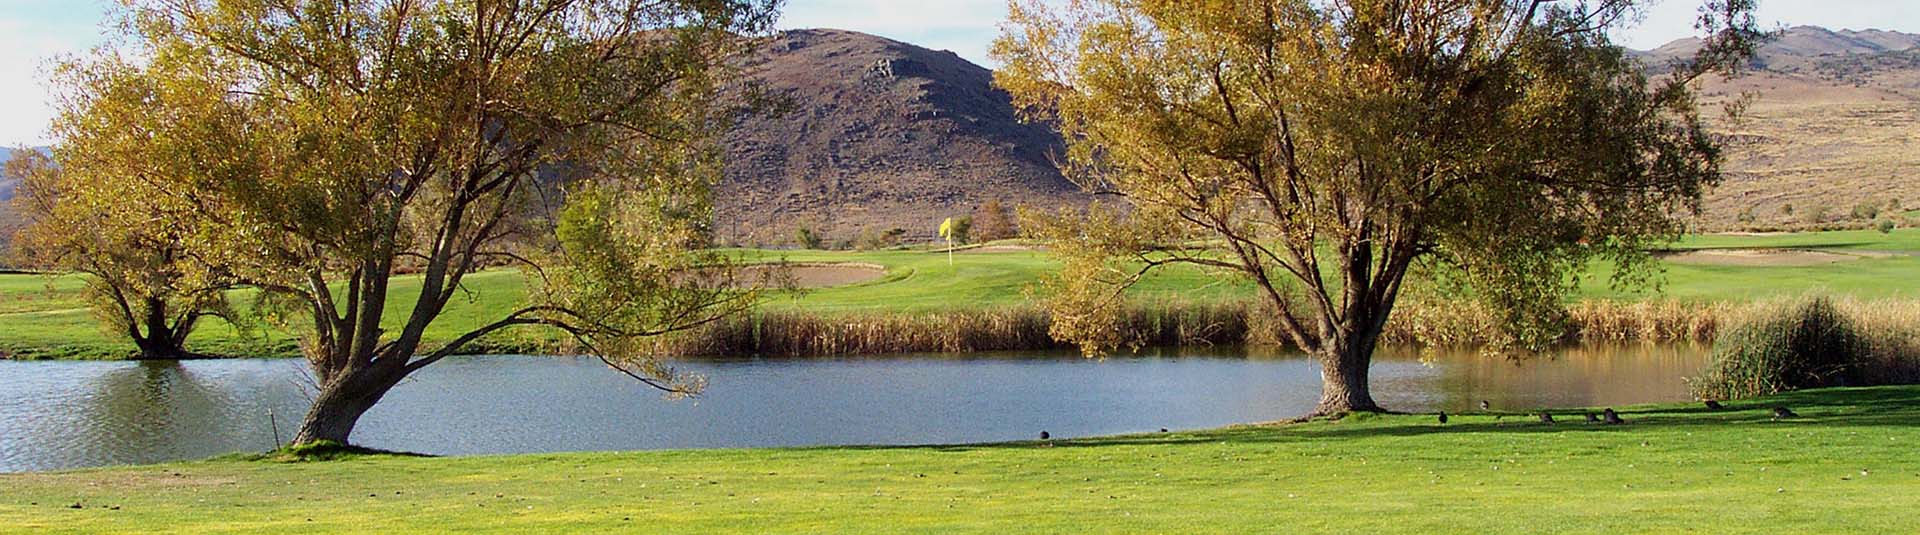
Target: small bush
(1816,215)
(806,238)
(962,230)
(871,240)
(1866,211)
(1808,345)
(993,221)
(1885,226)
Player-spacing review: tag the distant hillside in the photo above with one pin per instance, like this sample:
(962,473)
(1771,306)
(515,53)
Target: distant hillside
(881,134)
(6,182)
(884,134)
(1801,47)
(1832,137)
(9,221)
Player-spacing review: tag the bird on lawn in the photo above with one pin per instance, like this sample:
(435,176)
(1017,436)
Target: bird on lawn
(1783,412)
(1593,418)
(1443,417)
(1714,405)
(1545,417)
(1484,406)
(1611,417)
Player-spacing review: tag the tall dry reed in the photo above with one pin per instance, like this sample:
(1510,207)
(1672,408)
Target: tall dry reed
(1187,324)
(1814,342)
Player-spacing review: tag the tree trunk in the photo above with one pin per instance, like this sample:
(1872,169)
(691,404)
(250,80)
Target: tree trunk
(1343,381)
(157,342)
(161,347)
(340,404)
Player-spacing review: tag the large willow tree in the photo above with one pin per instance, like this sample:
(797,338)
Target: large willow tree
(322,147)
(1327,149)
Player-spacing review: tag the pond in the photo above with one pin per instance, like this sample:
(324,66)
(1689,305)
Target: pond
(56,415)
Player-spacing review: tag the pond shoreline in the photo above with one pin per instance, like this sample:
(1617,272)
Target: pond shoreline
(1478,473)
(75,413)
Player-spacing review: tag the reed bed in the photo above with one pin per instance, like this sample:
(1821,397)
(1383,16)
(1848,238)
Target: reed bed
(794,334)
(1191,324)
(1814,342)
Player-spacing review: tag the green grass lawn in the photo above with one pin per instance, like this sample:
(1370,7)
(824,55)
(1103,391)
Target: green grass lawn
(46,318)
(1849,465)
(1902,240)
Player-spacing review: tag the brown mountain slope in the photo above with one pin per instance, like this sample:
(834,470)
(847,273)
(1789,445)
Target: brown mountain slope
(1834,129)
(885,134)
(881,134)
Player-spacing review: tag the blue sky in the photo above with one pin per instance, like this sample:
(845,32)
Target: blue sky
(33,31)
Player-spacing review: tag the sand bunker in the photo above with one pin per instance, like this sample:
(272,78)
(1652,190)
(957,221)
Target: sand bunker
(1763,257)
(822,275)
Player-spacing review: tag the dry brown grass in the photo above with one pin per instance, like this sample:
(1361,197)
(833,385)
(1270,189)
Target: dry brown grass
(1817,145)
(1177,324)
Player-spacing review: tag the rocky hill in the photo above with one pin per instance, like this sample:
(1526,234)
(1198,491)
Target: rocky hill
(883,134)
(1832,136)
(878,134)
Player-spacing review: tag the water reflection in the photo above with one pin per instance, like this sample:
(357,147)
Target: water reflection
(69,414)
(1570,377)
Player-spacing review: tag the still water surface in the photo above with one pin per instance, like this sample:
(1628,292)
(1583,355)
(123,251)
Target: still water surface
(72,414)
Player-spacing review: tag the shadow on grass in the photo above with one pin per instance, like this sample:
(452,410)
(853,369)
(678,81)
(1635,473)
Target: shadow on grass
(1871,406)
(321,451)
(1816,247)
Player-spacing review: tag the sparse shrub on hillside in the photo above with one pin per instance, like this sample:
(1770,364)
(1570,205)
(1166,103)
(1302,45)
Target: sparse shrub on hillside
(1885,226)
(871,239)
(1786,209)
(1866,211)
(1816,215)
(1746,215)
(806,238)
(962,230)
(994,221)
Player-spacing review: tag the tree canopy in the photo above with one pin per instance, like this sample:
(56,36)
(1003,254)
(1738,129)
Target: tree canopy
(85,215)
(324,147)
(1326,150)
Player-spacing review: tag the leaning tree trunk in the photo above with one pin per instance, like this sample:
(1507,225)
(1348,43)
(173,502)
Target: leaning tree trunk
(341,403)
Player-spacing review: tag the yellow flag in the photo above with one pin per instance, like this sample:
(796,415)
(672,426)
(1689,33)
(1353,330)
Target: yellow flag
(946,229)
